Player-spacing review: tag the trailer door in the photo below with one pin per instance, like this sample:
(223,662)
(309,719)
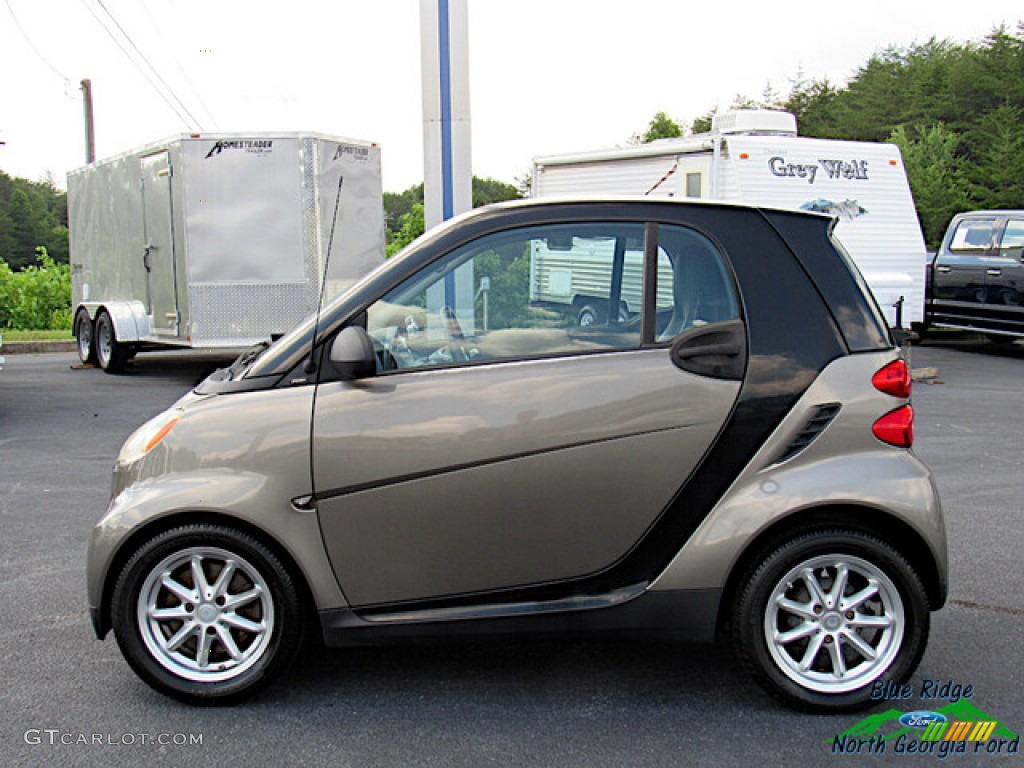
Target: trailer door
(158,256)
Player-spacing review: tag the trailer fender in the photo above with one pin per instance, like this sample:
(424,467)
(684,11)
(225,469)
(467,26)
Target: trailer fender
(131,323)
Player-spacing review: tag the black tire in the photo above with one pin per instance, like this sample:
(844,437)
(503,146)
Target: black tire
(85,335)
(921,332)
(111,355)
(999,339)
(820,631)
(587,316)
(227,644)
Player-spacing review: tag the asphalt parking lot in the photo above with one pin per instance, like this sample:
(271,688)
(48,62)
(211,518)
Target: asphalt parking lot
(69,699)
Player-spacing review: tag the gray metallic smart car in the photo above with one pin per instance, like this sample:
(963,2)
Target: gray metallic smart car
(723,449)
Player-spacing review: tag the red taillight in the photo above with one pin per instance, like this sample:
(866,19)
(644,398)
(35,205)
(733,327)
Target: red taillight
(894,379)
(896,427)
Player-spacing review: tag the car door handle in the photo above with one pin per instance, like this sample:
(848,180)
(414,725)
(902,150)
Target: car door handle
(993,272)
(717,350)
(943,269)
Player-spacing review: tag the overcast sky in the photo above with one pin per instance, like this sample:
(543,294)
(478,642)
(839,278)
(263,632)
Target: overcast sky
(546,76)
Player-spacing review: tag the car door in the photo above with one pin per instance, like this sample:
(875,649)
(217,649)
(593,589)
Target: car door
(958,279)
(1004,275)
(502,444)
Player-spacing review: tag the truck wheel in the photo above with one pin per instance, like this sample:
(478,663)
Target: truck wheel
(84,334)
(110,353)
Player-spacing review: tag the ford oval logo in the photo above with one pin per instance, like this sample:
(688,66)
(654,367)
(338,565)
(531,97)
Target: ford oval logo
(921,719)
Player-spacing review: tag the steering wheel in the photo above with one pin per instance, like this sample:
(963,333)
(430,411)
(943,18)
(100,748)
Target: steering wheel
(456,338)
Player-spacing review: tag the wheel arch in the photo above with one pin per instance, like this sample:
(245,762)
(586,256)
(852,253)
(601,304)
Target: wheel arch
(160,525)
(129,318)
(863,519)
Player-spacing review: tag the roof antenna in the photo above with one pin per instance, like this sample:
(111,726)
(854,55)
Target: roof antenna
(310,366)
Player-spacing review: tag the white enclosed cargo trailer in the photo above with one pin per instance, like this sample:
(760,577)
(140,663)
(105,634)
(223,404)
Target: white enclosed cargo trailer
(217,240)
(756,157)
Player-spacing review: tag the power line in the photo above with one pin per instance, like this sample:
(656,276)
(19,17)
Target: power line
(181,70)
(32,45)
(148,64)
(177,105)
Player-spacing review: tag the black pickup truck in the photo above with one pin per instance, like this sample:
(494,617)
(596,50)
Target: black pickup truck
(976,279)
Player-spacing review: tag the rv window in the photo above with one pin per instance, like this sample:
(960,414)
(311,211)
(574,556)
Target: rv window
(559,243)
(693,184)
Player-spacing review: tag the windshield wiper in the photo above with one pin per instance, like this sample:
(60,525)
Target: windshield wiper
(246,359)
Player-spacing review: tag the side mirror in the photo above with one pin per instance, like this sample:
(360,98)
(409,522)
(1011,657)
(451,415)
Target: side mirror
(352,355)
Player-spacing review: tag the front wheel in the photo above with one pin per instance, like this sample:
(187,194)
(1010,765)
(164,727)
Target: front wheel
(84,338)
(827,615)
(206,614)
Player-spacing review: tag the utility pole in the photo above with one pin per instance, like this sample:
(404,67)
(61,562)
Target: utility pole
(90,135)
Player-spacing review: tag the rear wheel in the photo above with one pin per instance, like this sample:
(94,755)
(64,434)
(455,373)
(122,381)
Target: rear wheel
(587,316)
(111,354)
(84,337)
(827,615)
(206,614)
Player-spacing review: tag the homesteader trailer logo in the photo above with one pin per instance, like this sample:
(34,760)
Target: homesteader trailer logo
(834,169)
(250,146)
(357,153)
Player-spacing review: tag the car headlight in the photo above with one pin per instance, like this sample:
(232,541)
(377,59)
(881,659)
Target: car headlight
(148,436)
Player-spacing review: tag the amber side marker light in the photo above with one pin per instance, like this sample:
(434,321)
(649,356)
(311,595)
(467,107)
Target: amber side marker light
(155,440)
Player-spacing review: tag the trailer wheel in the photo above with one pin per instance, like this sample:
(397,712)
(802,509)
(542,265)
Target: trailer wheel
(588,315)
(110,353)
(85,336)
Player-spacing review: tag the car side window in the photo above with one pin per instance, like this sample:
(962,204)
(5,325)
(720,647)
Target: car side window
(535,291)
(972,235)
(1012,242)
(694,285)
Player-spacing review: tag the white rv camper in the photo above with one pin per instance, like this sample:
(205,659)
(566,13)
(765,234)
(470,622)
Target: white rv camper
(217,240)
(756,156)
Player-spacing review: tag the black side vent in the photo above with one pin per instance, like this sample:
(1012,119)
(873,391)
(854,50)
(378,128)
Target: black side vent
(820,418)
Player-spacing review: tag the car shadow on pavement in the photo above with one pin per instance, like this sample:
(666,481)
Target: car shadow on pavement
(568,671)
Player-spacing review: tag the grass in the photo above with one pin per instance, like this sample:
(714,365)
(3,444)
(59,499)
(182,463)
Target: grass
(10,334)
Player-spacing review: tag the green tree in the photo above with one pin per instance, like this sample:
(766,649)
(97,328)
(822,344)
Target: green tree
(411,226)
(937,176)
(26,224)
(811,102)
(487,191)
(997,176)
(661,126)
(703,124)
(404,220)
(31,214)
